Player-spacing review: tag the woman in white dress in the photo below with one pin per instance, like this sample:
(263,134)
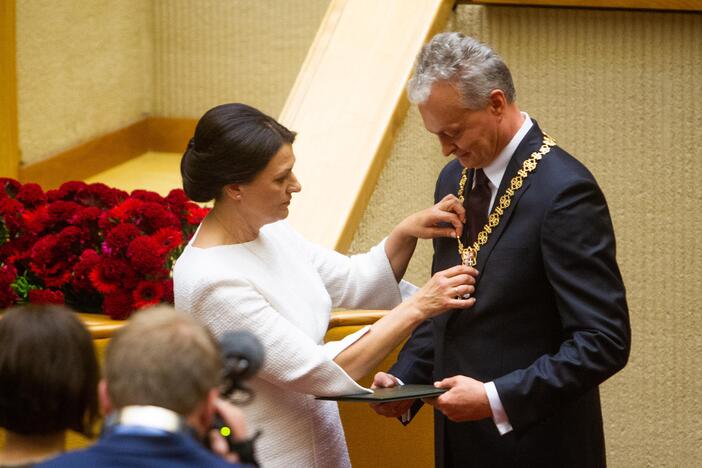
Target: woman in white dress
(246,268)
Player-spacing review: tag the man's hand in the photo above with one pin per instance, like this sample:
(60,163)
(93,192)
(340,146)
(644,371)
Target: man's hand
(233,417)
(393,409)
(465,400)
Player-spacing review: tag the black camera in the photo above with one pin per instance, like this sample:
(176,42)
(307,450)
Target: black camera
(242,356)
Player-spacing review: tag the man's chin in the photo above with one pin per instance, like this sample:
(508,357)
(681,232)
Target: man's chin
(466,161)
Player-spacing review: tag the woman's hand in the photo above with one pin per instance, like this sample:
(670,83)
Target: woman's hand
(445,219)
(446,290)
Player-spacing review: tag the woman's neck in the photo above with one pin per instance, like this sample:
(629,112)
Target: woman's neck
(25,449)
(235,227)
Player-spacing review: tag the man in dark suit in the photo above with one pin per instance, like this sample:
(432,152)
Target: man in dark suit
(550,322)
(160,394)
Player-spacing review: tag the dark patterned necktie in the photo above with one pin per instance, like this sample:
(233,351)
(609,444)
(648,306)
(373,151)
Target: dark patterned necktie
(477,205)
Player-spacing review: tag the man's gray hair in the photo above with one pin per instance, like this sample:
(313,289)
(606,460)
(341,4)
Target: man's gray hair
(472,66)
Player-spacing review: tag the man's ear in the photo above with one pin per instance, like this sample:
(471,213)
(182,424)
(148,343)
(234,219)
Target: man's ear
(202,417)
(104,397)
(233,191)
(497,102)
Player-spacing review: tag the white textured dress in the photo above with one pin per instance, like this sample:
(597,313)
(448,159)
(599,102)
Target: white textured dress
(282,288)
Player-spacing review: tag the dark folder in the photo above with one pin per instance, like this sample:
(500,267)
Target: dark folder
(383,395)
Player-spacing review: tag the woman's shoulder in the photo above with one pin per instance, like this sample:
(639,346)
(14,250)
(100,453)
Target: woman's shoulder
(212,262)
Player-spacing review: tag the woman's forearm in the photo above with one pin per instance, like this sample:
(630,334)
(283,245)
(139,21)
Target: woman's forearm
(399,248)
(384,335)
(446,290)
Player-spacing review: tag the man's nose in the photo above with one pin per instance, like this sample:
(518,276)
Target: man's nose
(447,146)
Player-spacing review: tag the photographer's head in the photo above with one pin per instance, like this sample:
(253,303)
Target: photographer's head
(48,372)
(163,358)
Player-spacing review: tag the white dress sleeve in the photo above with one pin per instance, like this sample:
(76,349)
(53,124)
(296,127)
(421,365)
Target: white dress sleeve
(363,281)
(293,360)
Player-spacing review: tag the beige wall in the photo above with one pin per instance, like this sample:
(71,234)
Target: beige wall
(219,51)
(620,90)
(83,69)
(88,68)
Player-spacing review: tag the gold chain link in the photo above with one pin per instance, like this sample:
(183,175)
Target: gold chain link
(469,255)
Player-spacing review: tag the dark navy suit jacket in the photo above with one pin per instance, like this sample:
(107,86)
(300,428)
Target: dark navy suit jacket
(116,450)
(550,322)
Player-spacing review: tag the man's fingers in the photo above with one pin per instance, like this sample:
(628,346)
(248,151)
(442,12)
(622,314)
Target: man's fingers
(391,410)
(448,382)
(383,380)
(431,401)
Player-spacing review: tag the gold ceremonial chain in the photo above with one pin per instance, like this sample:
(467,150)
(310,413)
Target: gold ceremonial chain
(469,255)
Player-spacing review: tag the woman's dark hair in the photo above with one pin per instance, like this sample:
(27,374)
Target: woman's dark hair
(232,144)
(48,372)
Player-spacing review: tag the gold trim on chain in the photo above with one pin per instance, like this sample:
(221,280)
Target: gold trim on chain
(469,255)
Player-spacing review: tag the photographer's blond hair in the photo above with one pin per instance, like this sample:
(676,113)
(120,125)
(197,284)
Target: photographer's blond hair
(162,358)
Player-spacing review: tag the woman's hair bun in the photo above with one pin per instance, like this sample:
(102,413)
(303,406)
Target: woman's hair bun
(232,144)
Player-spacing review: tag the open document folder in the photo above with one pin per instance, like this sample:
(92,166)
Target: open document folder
(382,395)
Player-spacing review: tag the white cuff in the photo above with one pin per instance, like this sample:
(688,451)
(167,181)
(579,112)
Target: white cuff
(333,348)
(407,289)
(499,416)
(407,415)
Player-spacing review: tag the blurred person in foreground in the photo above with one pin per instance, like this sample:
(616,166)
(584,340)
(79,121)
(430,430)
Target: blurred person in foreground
(246,268)
(160,393)
(48,382)
(550,321)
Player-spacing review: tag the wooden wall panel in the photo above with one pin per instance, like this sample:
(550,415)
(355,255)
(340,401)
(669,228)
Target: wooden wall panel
(9,145)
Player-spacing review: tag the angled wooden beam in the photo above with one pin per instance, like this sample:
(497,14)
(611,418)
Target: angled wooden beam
(347,104)
(9,140)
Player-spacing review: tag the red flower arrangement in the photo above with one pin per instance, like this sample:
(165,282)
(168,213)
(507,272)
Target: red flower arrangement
(92,247)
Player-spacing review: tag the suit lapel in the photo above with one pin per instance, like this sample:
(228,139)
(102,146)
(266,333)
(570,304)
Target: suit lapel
(531,142)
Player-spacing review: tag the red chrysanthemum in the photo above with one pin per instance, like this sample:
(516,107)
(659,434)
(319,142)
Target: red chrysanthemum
(31,195)
(81,271)
(147,196)
(46,296)
(176,198)
(147,293)
(194,213)
(125,209)
(167,239)
(35,221)
(144,256)
(11,215)
(59,212)
(150,217)
(111,274)
(9,186)
(86,217)
(71,190)
(118,238)
(47,261)
(118,305)
(71,243)
(101,196)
